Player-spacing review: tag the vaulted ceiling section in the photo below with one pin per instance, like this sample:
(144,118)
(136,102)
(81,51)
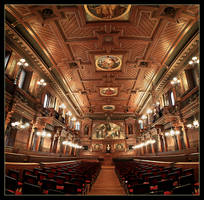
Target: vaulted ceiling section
(105,58)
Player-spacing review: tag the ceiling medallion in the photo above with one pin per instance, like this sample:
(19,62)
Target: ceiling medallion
(108,63)
(109,91)
(107,12)
(108,107)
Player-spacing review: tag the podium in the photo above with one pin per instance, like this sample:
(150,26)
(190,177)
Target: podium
(107,160)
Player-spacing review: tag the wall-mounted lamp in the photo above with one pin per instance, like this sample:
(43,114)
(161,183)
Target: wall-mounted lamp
(42,82)
(172,132)
(43,134)
(194,60)
(68,143)
(69,113)
(62,106)
(20,125)
(175,81)
(22,63)
(194,125)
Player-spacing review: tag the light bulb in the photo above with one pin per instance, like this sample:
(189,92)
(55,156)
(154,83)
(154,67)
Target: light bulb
(194,58)
(22,60)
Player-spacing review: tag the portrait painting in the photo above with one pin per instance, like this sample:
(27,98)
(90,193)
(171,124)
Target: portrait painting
(108,62)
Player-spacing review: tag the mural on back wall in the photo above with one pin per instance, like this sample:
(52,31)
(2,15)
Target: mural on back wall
(109,130)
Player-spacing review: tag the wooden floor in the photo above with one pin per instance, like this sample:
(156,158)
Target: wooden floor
(107,183)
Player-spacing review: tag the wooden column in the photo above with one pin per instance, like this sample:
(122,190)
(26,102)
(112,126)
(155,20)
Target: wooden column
(38,139)
(165,143)
(59,139)
(178,139)
(32,130)
(185,136)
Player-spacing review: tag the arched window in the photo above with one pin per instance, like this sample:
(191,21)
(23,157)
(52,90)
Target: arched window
(45,101)
(172,99)
(77,126)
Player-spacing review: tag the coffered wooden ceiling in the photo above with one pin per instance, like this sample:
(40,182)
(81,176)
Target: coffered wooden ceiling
(142,40)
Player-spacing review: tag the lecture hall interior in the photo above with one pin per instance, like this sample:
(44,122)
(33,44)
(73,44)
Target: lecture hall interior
(101,99)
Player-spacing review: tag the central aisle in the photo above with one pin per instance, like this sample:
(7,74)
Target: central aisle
(107,183)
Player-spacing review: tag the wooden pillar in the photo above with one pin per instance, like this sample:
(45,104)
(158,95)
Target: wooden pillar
(185,136)
(30,138)
(165,143)
(38,139)
(178,139)
(8,119)
(59,139)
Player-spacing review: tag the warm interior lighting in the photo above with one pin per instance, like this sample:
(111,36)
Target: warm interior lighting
(172,132)
(69,113)
(149,111)
(43,133)
(42,82)
(175,80)
(20,125)
(194,60)
(151,141)
(22,62)
(68,143)
(62,106)
(144,117)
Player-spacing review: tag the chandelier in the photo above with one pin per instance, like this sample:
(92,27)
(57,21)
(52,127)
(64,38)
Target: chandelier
(20,125)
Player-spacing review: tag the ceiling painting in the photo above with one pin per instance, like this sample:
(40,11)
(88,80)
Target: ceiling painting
(107,12)
(109,91)
(108,63)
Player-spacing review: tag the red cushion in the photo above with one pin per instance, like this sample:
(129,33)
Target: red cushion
(45,192)
(19,183)
(131,190)
(78,190)
(154,187)
(87,181)
(18,193)
(60,187)
(167,193)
